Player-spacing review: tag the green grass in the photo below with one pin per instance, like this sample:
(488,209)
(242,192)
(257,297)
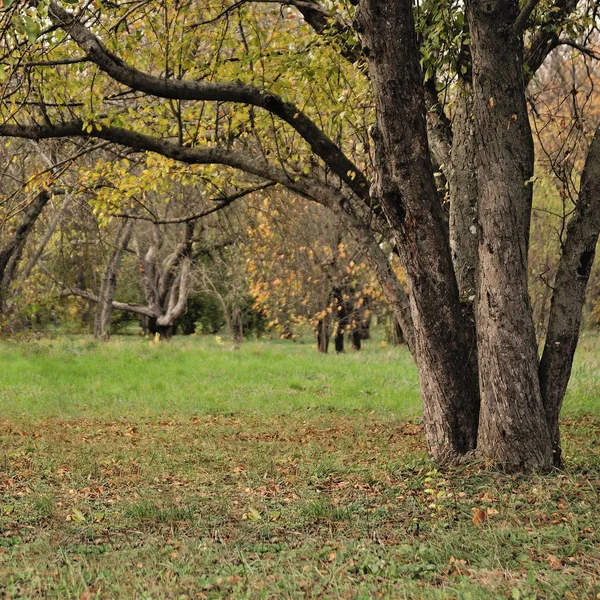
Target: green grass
(190,470)
(70,377)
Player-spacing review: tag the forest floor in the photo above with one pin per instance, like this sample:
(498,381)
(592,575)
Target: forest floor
(192,470)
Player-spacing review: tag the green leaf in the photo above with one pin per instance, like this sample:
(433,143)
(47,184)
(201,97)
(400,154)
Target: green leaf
(77,516)
(254,515)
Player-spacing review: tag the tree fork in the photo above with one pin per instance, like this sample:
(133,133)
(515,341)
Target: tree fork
(406,189)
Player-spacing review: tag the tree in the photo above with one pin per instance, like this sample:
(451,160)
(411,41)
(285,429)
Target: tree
(304,270)
(28,185)
(236,85)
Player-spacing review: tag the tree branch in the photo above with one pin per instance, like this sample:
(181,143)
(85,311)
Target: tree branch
(521,22)
(133,308)
(176,89)
(583,49)
(545,40)
(221,203)
(300,184)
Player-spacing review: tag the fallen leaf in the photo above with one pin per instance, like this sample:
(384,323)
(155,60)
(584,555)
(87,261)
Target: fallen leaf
(479,517)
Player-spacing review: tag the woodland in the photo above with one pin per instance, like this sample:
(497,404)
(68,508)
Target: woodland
(251,166)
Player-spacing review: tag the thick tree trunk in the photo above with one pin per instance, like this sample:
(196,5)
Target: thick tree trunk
(164,331)
(109,281)
(406,189)
(573,272)
(512,429)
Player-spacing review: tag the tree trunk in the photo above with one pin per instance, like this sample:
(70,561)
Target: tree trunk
(343,315)
(406,190)
(339,339)
(573,272)
(109,281)
(164,331)
(462,183)
(356,339)
(512,429)
(237,329)
(323,334)
(11,251)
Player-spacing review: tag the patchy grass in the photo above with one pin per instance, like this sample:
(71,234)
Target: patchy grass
(266,499)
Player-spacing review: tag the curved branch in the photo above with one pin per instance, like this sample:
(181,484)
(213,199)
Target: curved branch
(239,92)
(521,22)
(300,184)
(545,40)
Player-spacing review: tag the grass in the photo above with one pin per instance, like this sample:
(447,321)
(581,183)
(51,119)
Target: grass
(190,470)
(75,377)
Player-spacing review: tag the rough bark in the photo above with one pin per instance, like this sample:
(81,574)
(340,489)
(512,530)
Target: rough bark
(512,428)
(574,267)
(406,189)
(109,281)
(462,183)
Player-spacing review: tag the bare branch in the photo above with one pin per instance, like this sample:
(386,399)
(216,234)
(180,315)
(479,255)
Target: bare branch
(53,63)
(583,49)
(220,204)
(133,308)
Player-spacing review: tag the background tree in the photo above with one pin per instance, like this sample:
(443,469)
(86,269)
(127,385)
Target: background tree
(304,271)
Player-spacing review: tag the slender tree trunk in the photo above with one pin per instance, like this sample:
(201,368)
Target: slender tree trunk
(512,429)
(323,334)
(11,251)
(48,233)
(237,329)
(109,281)
(573,272)
(406,190)
(356,339)
(342,317)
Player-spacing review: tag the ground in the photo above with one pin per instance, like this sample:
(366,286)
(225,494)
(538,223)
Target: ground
(192,470)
